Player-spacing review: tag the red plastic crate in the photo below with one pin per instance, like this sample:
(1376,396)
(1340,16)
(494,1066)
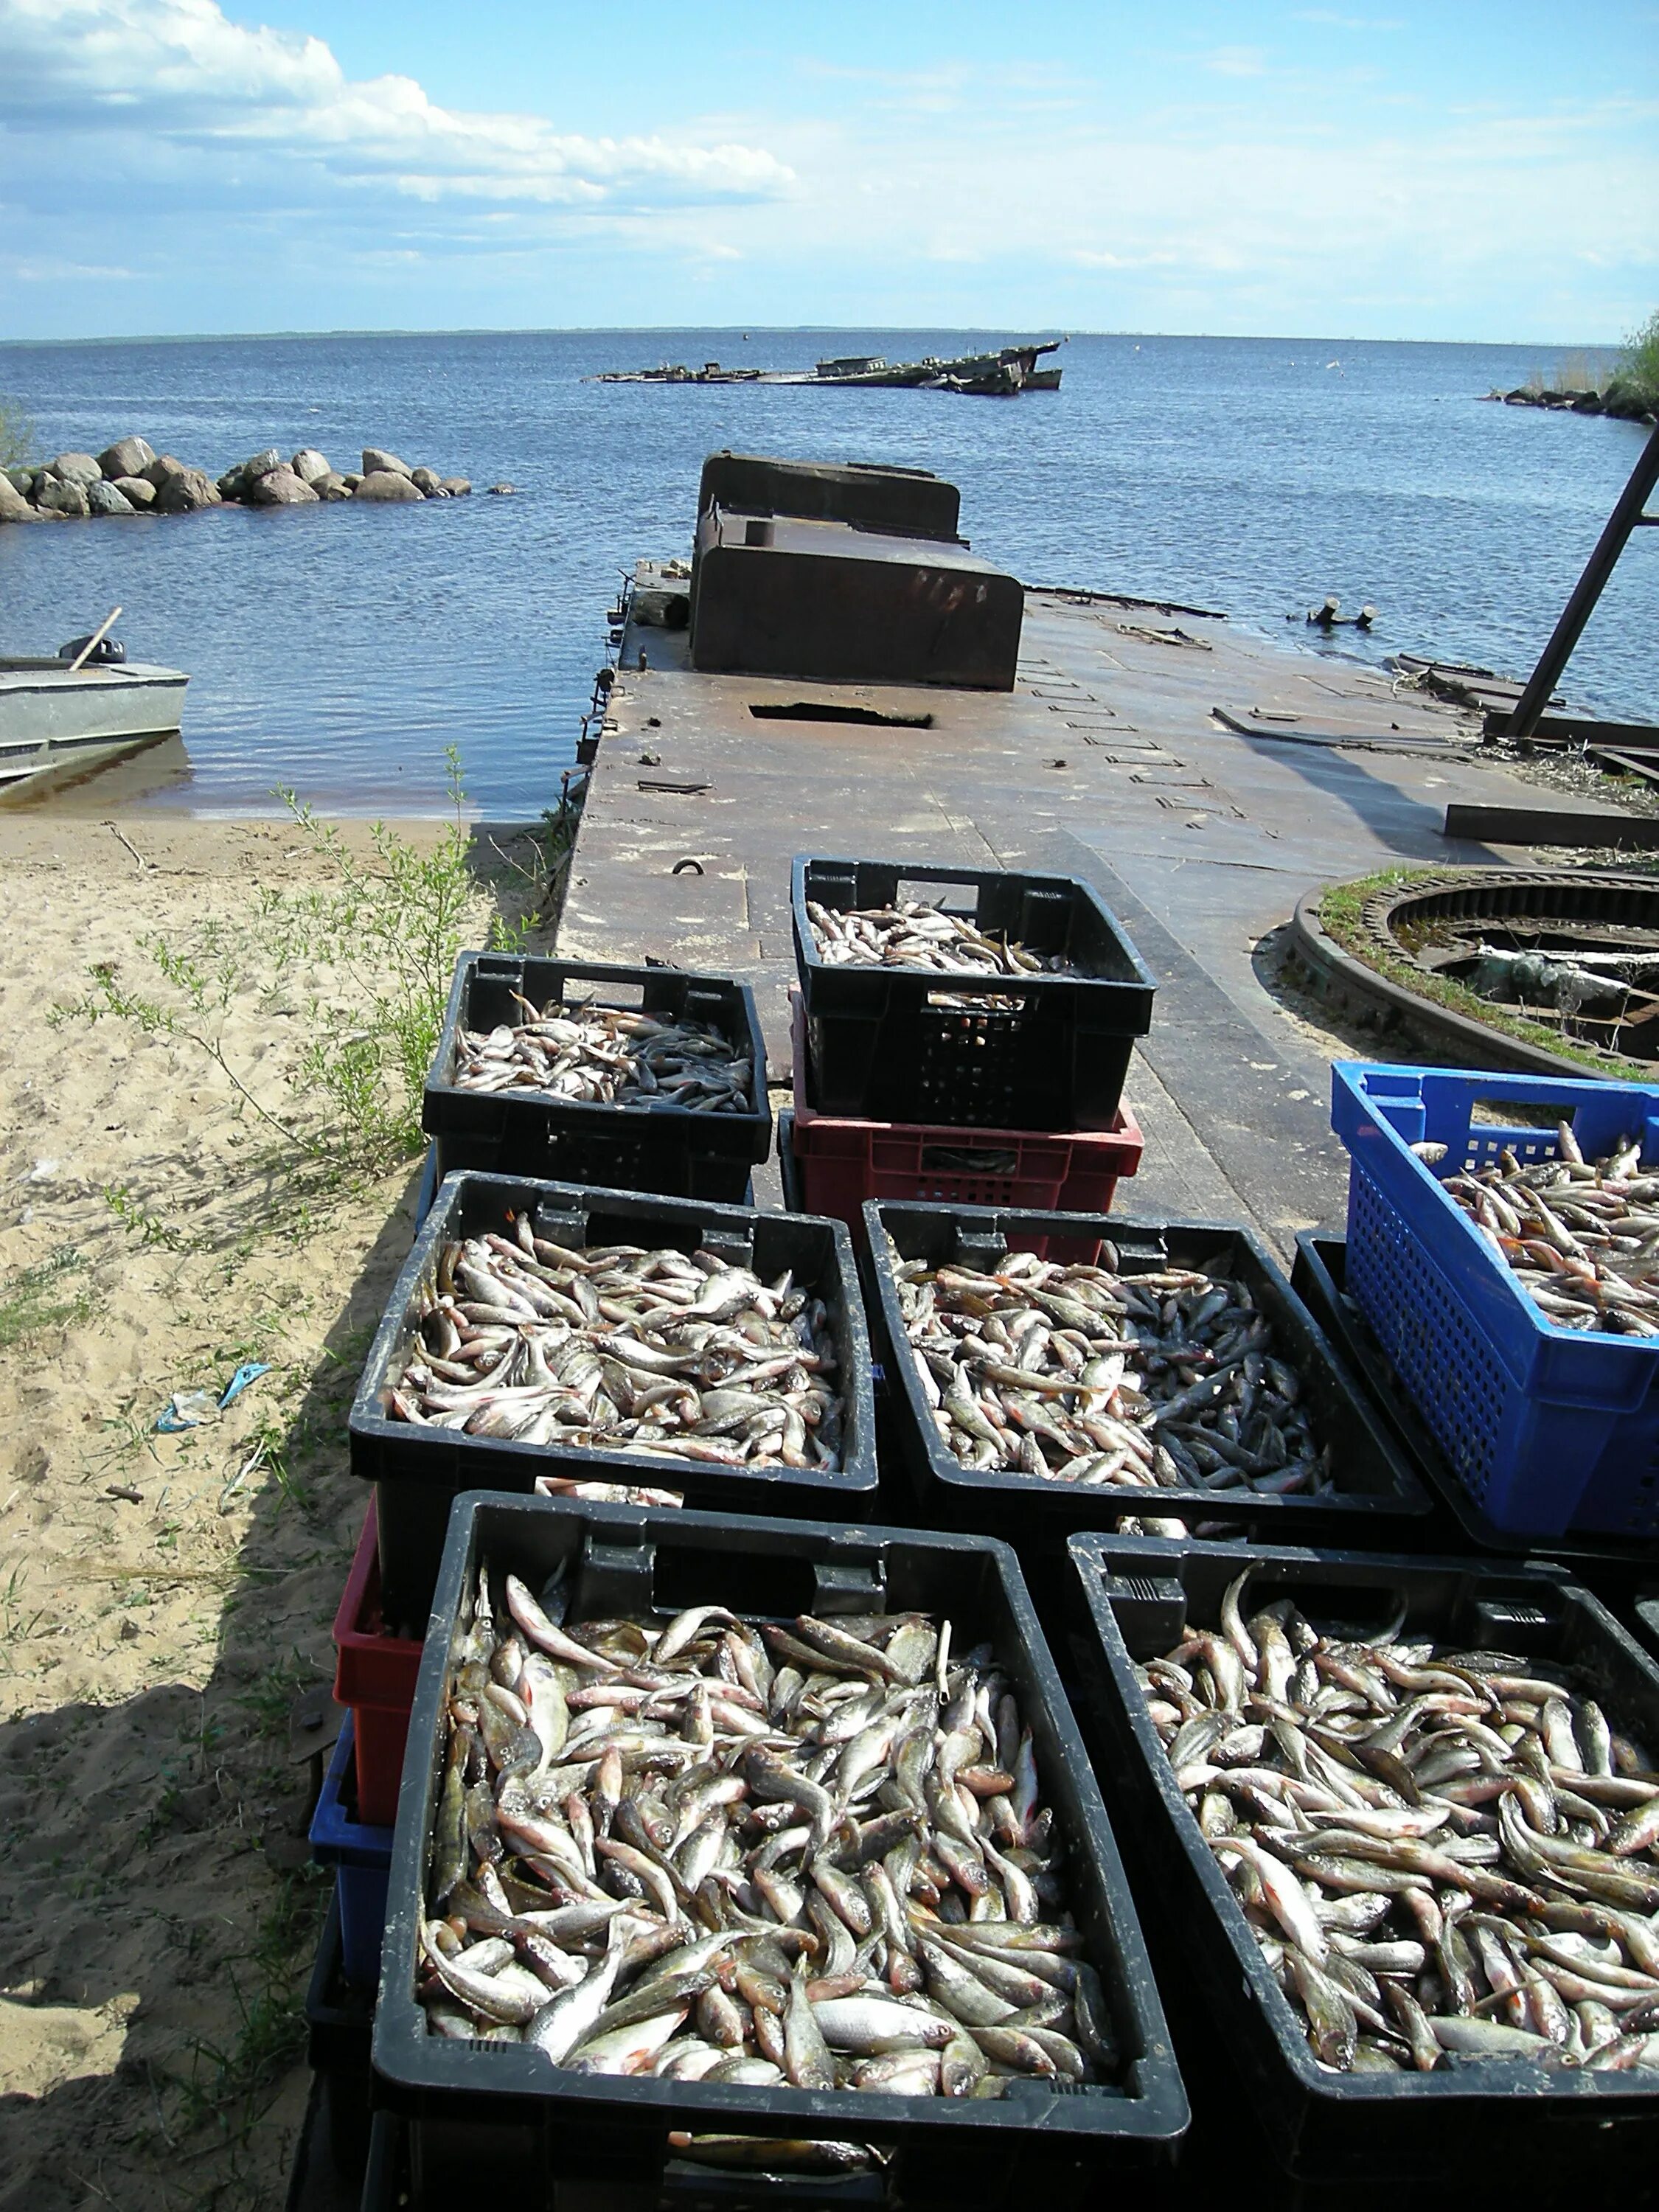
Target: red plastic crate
(375,1675)
(841,1164)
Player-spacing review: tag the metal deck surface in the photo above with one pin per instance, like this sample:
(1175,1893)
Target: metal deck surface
(1201,777)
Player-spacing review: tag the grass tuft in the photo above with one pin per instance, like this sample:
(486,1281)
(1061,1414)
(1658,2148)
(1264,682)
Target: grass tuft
(44,1296)
(1341,912)
(369,956)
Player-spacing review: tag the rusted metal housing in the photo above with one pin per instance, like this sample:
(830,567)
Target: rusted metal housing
(903,502)
(778,595)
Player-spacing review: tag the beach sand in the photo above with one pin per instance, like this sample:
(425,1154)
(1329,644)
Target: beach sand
(158,1617)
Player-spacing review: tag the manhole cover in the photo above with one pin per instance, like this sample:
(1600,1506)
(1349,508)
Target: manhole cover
(1578,953)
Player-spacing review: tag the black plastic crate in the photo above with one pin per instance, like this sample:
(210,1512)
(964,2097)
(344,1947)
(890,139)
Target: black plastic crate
(339,2021)
(502,2116)
(385,2175)
(1623,1572)
(1382,1502)
(661,1148)
(884,1049)
(788,1171)
(1476,2125)
(418,1471)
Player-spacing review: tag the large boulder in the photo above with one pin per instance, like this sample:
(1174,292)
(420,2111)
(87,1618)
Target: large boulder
(59,495)
(137,491)
(13,508)
(503,490)
(309,465)
(332,486)
(351,479)
(238,483)
(457,487)
(127,457)
(427,481)
(185,490)
(76,468)
(386,484)
(279,487)
(163,466)
(104,499)
(378,463)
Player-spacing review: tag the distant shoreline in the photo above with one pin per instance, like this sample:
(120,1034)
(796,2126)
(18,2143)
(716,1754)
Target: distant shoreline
(792,330)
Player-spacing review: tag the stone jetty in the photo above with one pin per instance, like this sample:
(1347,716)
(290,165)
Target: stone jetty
(130,477)
(1619,399)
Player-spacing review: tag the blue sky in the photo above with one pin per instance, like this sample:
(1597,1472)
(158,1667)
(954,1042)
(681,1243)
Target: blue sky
(1461,170)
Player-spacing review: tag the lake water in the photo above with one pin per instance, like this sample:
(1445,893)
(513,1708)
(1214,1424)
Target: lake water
(340,650)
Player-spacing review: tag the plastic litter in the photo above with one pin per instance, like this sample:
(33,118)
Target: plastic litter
(249,1371)
(189,1409)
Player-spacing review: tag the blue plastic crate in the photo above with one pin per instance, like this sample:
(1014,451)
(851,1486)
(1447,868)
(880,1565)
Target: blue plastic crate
(1547,1428)
(362,1859)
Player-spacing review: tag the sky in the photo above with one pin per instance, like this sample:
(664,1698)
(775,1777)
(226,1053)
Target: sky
(1455,170)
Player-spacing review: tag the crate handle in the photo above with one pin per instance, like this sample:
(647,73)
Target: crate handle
(562,1224)
(850,1584)
(1150,1610)
(928,889)
(617,1575)
(1529,1625)
(627,997)
(982,1250)
(736,1246)
(947,999)
(962,1159)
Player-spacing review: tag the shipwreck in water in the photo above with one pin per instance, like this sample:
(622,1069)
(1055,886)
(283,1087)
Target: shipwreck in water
(1001,375)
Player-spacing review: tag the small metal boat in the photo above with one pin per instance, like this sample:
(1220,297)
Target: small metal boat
(82,706)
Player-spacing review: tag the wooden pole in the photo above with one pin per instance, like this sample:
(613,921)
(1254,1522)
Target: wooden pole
(1626,516)
(93,641)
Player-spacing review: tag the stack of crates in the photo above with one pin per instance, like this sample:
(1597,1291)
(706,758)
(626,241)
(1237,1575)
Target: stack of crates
(961,1087)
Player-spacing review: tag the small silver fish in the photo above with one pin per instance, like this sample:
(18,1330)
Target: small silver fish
(750,1853)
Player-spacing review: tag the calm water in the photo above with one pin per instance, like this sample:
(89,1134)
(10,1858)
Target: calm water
(341,650)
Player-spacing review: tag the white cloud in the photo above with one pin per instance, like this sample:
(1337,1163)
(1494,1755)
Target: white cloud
(38,271)
(1235,61)
(246,181)
(196,85)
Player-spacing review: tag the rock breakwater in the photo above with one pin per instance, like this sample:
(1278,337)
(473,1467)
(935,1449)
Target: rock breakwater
(1624,401)
(130,477)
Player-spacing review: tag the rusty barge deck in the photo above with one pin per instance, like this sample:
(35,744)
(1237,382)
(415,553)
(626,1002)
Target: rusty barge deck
(1203,778)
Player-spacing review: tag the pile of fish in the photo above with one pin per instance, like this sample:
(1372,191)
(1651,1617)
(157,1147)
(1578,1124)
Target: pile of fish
(1444,1854)
(1582,1235)
(913,934)
(607,1056)
(621,1349)
(1154,1382)
(811,1856)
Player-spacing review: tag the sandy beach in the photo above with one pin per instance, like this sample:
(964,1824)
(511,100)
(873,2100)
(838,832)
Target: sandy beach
(163,1599)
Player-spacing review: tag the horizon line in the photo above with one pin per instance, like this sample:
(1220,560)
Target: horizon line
(784,330)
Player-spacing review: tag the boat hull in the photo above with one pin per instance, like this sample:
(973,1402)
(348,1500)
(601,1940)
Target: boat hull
(51,720)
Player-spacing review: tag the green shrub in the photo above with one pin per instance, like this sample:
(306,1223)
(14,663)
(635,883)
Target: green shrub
(1639,364)
(18,435)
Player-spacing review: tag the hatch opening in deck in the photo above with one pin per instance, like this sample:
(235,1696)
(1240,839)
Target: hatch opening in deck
(821,710)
